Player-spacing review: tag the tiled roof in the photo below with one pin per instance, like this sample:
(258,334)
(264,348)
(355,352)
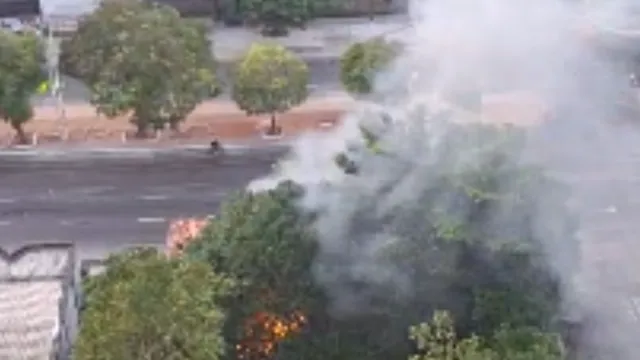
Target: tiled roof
(29,319)
(32,286)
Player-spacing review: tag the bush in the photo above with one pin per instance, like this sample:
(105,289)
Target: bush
(146,306)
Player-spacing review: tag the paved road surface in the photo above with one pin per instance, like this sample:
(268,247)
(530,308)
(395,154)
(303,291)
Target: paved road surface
(105,203)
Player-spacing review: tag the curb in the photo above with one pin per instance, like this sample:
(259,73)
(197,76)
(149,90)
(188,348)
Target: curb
(63,153)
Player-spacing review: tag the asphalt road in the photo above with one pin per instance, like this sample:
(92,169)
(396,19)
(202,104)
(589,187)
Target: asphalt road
(104,204)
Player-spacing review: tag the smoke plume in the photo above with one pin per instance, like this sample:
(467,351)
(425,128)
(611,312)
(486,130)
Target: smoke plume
(535,66)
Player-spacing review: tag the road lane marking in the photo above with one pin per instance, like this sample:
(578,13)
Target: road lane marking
(151,220)
(94,190)
(66,222)
(154,197)
(5,223)
(635,308)
(7,201)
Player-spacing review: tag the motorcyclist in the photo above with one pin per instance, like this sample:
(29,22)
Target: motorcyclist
(215,147)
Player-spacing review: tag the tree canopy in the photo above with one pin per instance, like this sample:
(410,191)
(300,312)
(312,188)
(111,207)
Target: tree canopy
(363,61)
(276,280)
(21,73)
(277,16)
(269,79)
(469,242)
(142,59)
(437,340)
(146,306)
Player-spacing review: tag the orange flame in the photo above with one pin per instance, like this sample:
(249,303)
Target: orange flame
(181,232)
(264,331)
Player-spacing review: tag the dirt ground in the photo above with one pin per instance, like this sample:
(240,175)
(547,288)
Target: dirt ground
(224,121)
(213,119)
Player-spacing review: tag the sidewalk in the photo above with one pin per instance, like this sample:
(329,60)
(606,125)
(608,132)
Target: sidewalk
(212,119)
(220,119)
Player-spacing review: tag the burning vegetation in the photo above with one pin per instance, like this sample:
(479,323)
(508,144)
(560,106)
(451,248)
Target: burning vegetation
(264,331)
(181,232)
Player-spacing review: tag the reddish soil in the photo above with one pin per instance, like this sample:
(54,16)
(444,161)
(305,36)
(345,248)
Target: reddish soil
(224,121)
(218,119)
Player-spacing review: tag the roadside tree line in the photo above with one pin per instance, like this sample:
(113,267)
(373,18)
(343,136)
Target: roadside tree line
(276,17)
(247,287)
(146,62)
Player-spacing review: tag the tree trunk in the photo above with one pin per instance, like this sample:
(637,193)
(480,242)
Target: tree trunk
(272,128)
(141,129)
(20,134)
(141,122)
(174,125)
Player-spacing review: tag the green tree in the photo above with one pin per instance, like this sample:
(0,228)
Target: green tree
(277,16)
(269,79)
(144,60)
(147,306)
(21,73)
(438,340)
(363,61)
(263,242)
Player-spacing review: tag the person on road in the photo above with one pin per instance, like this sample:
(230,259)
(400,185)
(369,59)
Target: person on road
(215,148)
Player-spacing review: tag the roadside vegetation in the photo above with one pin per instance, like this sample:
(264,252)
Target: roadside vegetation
(144,61)
(269,79)
(478,287)
(21,76)
(360,64)
(147,64)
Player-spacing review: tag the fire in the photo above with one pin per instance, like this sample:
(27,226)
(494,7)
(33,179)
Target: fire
(181,231)
(264,331)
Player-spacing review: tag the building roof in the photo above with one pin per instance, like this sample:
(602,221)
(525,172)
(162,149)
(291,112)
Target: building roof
(33,282)
(29,319)
(19,8)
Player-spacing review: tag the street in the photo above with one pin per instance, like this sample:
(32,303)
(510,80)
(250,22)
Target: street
(106,204)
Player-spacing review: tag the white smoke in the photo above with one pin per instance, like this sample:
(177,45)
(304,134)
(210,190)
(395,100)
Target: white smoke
(532,62)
